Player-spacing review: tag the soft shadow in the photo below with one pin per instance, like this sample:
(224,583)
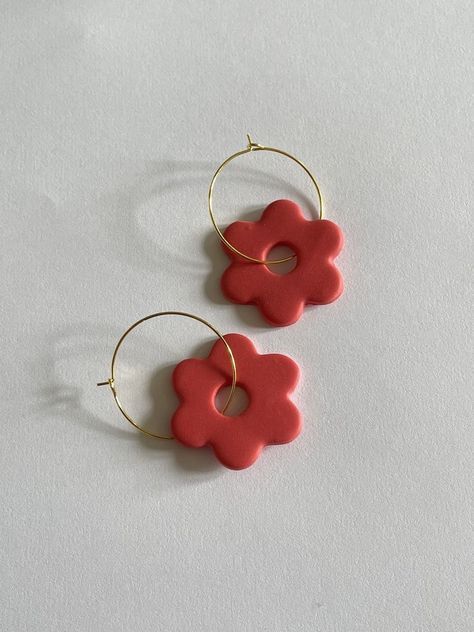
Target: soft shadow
(125,235)
(65,400)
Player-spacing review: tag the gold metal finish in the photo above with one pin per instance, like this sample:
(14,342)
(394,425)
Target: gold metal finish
(111,381)
(251,146)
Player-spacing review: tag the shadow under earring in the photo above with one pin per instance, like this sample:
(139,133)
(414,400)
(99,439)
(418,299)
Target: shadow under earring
(251,277)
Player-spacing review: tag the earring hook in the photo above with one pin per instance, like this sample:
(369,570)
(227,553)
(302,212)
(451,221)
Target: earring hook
(251,146)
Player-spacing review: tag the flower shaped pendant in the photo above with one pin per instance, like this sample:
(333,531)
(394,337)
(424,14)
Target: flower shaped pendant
(282,298)
(270,418)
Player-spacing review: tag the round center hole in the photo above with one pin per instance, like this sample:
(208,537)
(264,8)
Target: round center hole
(238,403)
(281,252)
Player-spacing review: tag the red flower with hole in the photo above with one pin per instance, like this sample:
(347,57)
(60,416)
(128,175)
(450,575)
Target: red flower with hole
(270,418)
(282,298)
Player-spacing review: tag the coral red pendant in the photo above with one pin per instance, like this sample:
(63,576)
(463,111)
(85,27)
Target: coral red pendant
(270,418)
(282,298)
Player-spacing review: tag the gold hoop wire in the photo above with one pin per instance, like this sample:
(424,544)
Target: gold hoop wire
(256,147)
(111,381)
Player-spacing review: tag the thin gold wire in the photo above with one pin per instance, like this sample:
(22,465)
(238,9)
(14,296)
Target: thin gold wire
(111,381)
(251,146)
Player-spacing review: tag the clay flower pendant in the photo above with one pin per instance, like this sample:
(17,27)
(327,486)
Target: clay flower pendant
(282,298)
(270,418)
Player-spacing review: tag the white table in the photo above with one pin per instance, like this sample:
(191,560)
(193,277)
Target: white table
(114,117)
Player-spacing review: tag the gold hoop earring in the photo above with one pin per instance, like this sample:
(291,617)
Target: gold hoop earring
(251,147)
(249,279)
(111,381)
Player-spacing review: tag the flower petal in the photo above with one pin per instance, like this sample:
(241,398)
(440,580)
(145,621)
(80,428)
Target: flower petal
(241,346)
(286,423)
(246,237)
(281,310)
(326,239)
(284,371)
(281,212)
(190,425)
(326,285)
(194,378)
(241,282)
(239,452)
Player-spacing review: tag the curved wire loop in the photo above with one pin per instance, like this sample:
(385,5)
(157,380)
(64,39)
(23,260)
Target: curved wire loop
(111,381)
(250,148)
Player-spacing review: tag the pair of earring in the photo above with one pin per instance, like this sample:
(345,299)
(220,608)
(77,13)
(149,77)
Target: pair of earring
(270,417)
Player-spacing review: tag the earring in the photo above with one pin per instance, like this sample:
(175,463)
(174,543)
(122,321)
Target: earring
(316,243)
(270,417)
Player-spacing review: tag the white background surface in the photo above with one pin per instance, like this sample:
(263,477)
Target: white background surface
(114,116)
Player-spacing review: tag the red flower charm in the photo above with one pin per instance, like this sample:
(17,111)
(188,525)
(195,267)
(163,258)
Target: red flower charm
(315,279)
(271,417)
